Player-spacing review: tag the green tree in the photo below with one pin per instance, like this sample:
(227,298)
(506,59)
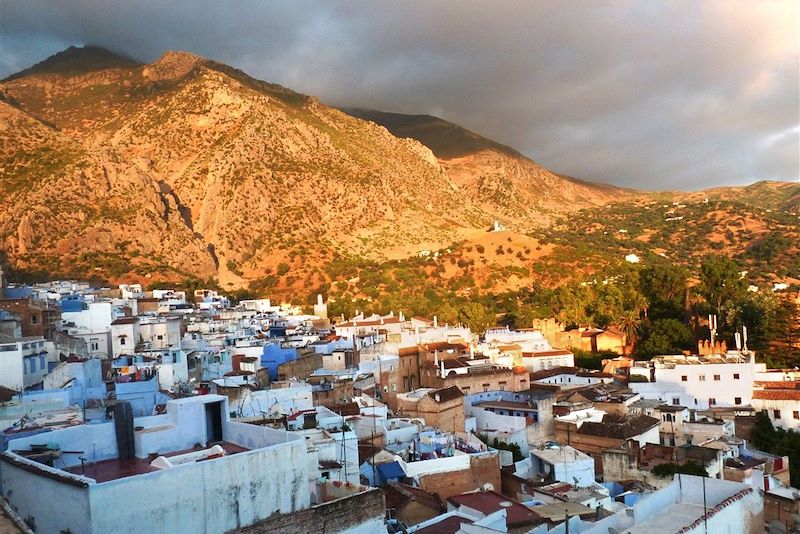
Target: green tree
(720,282)
(666,336)
(663,282)
(447,314)
(475,316)
(630,322)
(762,435)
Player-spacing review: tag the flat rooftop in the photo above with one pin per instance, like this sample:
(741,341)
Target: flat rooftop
(116,468)
(671,519)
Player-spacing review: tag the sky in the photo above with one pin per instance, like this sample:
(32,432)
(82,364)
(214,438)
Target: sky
(653,95)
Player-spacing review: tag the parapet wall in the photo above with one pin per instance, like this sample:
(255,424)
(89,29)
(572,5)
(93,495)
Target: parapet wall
(362,512)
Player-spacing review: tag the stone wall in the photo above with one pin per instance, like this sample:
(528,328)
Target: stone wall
(300,368)
(362,512)
(484,468)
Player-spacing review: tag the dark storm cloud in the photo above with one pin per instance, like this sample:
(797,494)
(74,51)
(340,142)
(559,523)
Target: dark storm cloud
(648,94)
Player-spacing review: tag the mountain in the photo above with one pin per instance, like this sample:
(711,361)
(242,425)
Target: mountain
(190,168)
(186,168)
(500,180)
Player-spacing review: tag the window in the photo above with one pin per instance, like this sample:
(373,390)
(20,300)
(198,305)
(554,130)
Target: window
(776,414)
(695,402)
(716,378)
(34,319)
(33,364)
(737,400)
(42,363)
(160,337)
(736,376)
(712,401)
(122,340)
(684,378)
(676,401)
(486,387)
(702,378)
(796,414)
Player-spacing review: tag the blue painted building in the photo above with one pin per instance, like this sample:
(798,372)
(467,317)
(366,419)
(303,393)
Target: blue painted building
(275,355)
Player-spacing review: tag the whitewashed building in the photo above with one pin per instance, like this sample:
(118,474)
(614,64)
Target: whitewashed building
(780,401)
(23,361)
(697,382)
(210,474)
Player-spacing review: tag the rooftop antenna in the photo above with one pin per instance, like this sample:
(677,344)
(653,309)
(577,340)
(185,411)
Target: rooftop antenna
(744,338)
(712,325)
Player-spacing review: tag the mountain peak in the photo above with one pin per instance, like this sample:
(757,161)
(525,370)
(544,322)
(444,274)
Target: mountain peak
(172,64)
(78,60)
(445,139)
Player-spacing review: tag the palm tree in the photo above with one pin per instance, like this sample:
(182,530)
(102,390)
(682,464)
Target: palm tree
(629,322)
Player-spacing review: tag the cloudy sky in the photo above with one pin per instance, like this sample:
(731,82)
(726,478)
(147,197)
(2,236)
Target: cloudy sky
(655,95)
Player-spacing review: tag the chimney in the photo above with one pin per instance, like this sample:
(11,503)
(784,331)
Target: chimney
(319,300)
(436,397)
(442,368)
(436,357)
(766,482)
(435,322)
(471,352)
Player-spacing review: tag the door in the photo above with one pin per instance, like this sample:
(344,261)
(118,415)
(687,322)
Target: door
(213,422)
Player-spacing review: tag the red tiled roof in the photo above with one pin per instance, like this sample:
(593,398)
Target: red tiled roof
(545,353)
(786,384)
(490,501)
(777,394)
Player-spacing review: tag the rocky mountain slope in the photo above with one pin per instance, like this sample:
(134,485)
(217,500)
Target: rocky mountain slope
(187,167)
(501,181)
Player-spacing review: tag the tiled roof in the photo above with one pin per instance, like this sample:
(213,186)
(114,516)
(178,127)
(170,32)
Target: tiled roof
(786,384)
(397,495)
(446,394)
(487,502)
(546,353)
(548,373)
(619,427)
(777,394)
(126,320)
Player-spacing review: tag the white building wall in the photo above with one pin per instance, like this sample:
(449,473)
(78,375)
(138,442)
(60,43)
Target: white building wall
(130,334)
(11,368)
(787,410)
(695,392)
(96,317)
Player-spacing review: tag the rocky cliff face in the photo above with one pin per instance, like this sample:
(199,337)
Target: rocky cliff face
(186,167)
